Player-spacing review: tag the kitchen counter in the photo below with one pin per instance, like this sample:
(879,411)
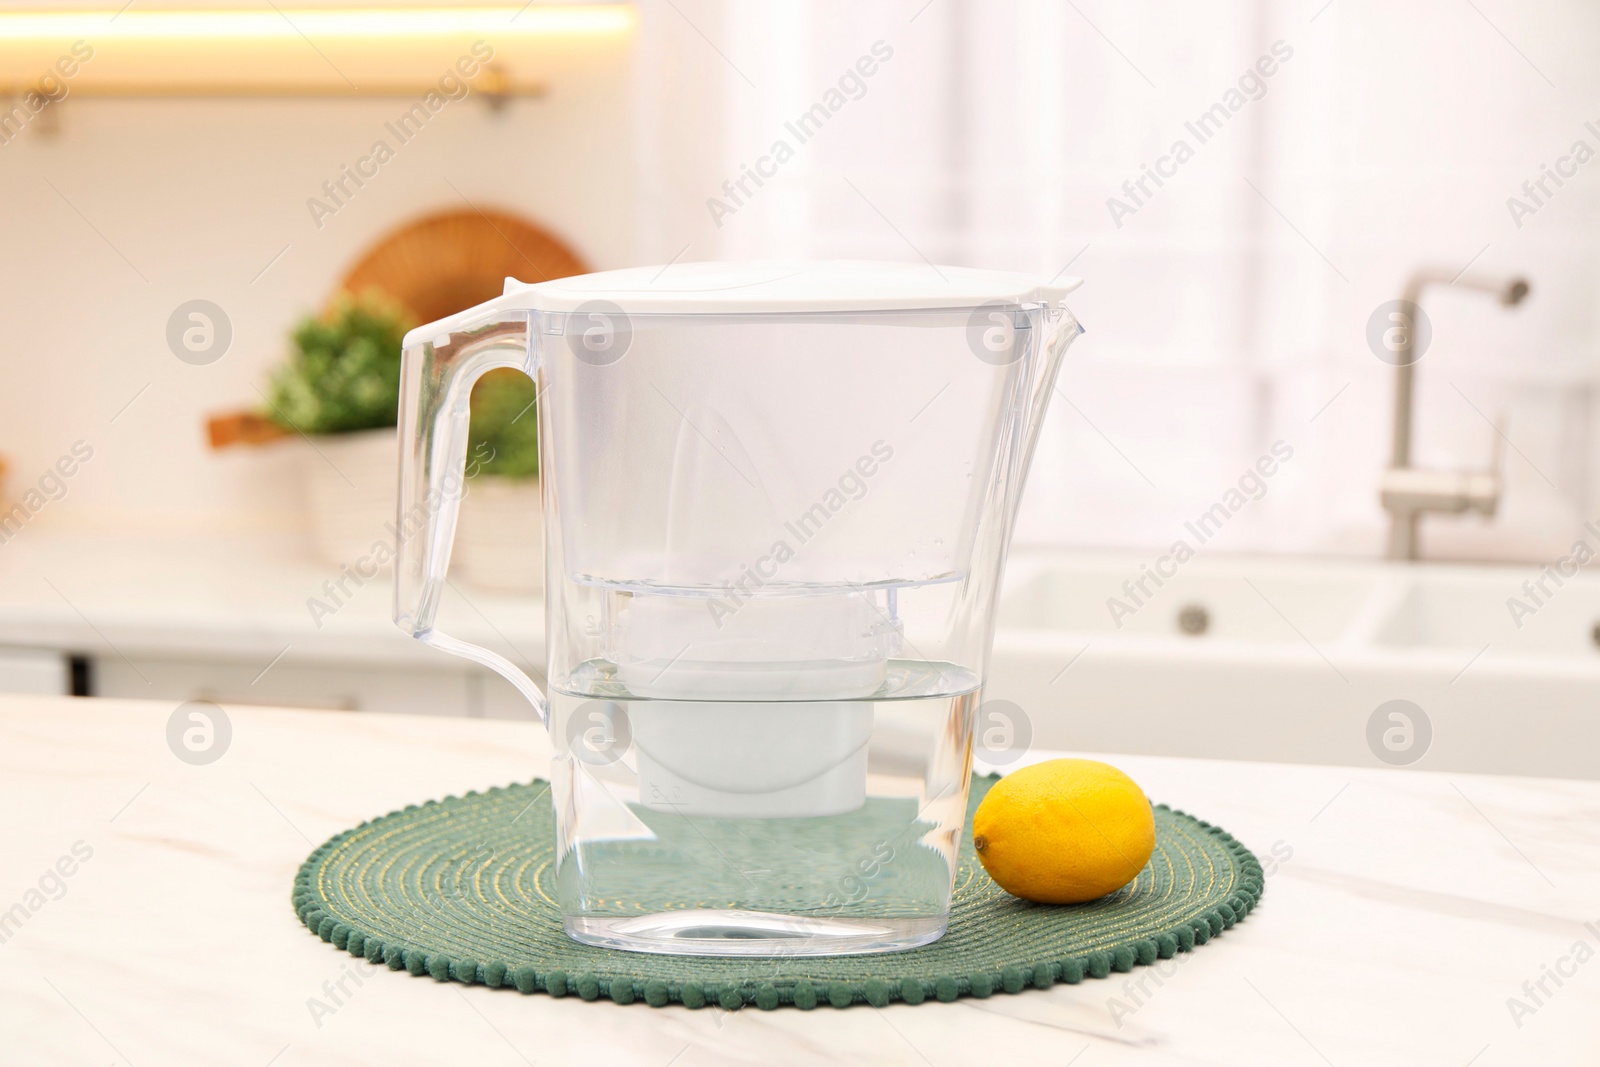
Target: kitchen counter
(1292,660)
(229,618)
(228,596)
(1401,912)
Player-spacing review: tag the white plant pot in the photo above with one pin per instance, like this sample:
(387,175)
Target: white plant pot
(350,483)
(500,535)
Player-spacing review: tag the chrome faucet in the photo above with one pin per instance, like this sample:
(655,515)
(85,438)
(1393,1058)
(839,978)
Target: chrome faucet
(1406,491)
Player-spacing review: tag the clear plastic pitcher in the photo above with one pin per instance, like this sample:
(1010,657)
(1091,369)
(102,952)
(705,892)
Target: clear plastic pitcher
(777,501)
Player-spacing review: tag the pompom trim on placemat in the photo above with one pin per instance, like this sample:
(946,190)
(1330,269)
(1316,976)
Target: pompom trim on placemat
(903,976)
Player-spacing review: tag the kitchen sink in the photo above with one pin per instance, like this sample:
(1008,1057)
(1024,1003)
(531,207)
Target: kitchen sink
(1292,659)
(1266,607)
(1470,612)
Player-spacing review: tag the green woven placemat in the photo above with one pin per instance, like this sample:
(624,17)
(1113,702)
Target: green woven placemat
(463,890)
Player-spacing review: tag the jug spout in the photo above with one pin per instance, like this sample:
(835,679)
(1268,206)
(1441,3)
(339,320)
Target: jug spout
(1057,328)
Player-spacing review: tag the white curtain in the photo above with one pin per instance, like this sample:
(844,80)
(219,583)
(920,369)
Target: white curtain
(1331,149)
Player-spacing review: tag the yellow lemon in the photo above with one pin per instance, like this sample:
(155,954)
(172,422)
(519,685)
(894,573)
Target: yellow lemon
(1064,831)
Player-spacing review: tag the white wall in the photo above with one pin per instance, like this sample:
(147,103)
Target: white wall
(193,199)
(993,137)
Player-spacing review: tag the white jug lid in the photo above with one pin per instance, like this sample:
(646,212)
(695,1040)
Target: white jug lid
(777,286)
(762,287)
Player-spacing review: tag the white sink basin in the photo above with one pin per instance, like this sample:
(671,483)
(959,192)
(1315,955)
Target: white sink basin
(1295,657)
(1088,600)
(1467,612)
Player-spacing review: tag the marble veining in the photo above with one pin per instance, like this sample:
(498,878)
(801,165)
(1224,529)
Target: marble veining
(1409,919)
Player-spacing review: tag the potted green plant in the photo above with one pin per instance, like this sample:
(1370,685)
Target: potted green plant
(340,390)
(500,536)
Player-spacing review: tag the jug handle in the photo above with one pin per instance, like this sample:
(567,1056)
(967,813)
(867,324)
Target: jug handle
(436,379)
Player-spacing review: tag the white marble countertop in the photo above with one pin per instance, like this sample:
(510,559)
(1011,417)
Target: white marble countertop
(1402,912)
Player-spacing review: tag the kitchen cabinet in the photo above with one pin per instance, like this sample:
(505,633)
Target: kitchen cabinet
(232,620)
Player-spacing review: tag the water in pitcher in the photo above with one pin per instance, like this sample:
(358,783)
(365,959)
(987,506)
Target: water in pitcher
(762,827)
